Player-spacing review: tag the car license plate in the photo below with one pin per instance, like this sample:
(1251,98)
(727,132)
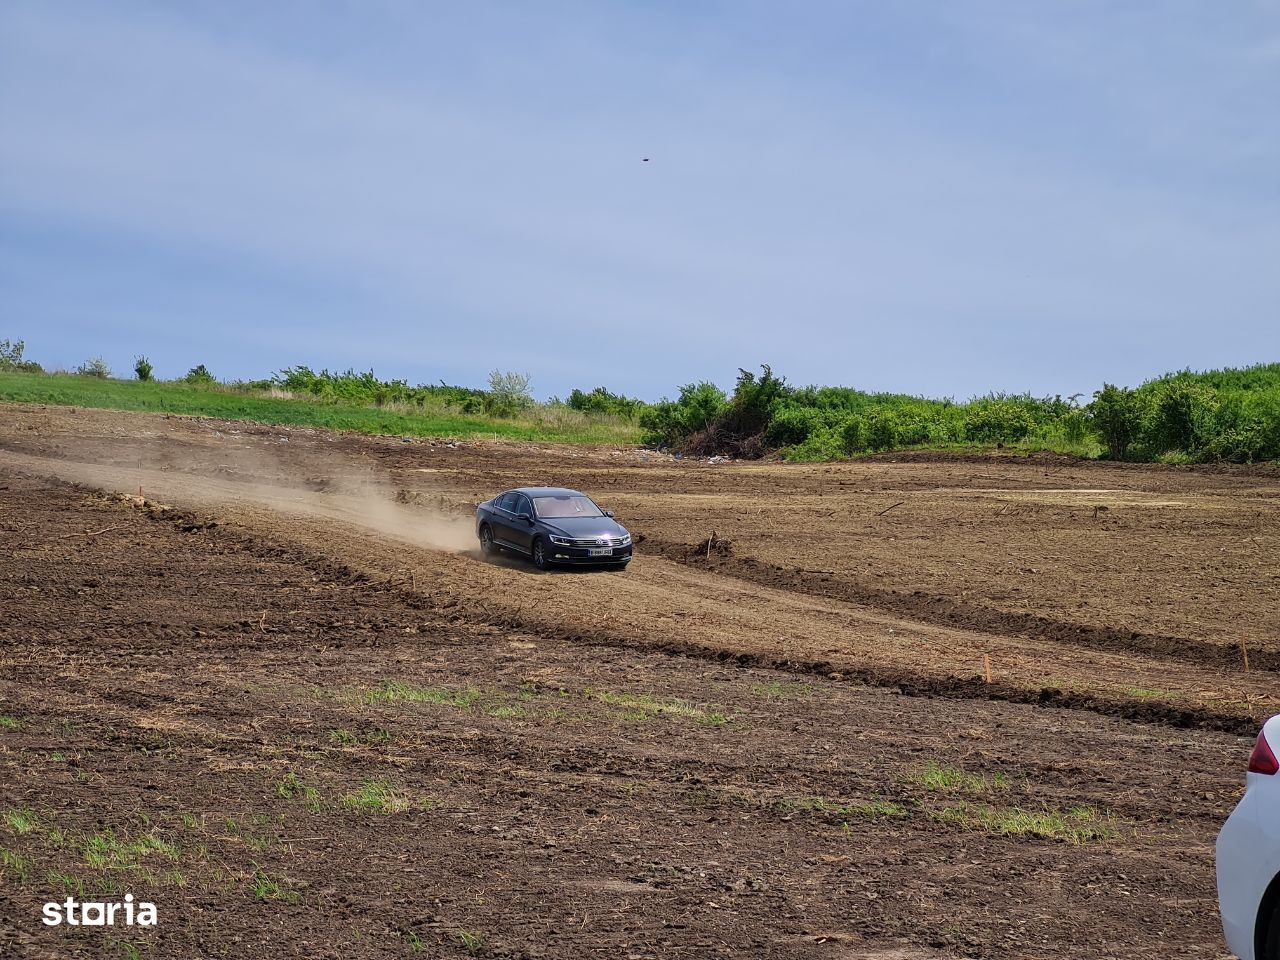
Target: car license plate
(600,552)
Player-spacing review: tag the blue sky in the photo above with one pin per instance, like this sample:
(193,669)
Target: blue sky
(929,197)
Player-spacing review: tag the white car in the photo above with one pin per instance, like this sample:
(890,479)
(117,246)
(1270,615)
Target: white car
(1248,857)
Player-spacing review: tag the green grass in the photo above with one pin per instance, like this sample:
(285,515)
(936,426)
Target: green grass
(1077,825)
(544,423)
(268,887)
(640,707)
(370,738)
(865,810)
(506,711)
(953,779)
(291,787)
(1142,693)
(15,864)
(9,723)
(778,690)
(415,942)
(20,821)
(68,883)
(105,851)
(375,796)
(391,692)
(471,941)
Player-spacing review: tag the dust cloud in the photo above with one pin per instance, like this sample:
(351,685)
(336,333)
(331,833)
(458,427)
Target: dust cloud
(249,474)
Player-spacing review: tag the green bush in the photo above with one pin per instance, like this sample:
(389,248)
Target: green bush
(11,358)
(199,374)
(882,430)
(601,400)
(508,394)
(97,367)
(793,425)
(853,434)
(142,368)
(1116,415)
(671,422)
(366,388)
(999,420)
(1180,417)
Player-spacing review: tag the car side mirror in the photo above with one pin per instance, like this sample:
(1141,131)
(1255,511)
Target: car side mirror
(526,518)
(609,514)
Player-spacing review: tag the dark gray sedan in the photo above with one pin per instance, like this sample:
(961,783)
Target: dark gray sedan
(552,525)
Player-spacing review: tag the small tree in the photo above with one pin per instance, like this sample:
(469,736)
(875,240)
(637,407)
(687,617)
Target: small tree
(853,434)
(1115,414)
(1179,414)
(11,354)
(97,367)
(508,393)
(11,358)
(142,368)
(199,374)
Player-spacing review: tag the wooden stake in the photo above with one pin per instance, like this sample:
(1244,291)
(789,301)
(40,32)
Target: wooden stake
(1244,652)
(986,666)
(710,540)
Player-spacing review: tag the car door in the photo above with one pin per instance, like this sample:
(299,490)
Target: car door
(522,530)
(503,521)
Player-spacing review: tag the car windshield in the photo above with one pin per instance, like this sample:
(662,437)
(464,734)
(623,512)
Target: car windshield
(553,507)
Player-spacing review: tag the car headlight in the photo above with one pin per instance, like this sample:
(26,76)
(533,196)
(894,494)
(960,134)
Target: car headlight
(626,539)
(563,541)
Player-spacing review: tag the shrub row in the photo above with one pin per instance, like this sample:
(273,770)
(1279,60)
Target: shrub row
(1231,415)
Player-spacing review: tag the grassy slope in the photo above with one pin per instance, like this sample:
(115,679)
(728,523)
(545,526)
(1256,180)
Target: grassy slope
(68,390)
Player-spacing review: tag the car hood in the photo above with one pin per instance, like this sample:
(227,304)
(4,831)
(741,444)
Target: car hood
(582,528)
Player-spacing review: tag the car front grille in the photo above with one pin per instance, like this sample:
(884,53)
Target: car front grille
(599,542)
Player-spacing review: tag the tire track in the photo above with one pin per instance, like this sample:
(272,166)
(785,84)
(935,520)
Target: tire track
(944,611)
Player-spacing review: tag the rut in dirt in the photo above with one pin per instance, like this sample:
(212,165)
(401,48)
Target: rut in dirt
(900,681)
(717,556)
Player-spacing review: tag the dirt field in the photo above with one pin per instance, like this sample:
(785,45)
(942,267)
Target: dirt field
(278,695)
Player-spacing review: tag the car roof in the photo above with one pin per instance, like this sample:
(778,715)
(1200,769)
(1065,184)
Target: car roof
(549,492)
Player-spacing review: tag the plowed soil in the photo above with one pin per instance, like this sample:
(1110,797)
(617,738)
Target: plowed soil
(909,707)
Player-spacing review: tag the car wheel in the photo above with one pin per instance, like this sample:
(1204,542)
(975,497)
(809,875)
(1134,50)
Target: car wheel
(539,554)
(487,546)
(1271,945)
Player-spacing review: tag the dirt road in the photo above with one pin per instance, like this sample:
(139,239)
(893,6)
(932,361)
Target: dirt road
(306,720)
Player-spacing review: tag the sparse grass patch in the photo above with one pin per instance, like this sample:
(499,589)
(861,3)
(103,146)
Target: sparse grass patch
(375,796)
(393,692)
(127,950)
(1077,825)
(291,787)
(268,887)
(20,821)
(471,941)
(643,706)
(779,690)
(16,864)
(414,941)
(370,738)
(866,810)
(506,710)
(68,883)
(9,723)
(105,851)
(1142,693)
(939,778)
